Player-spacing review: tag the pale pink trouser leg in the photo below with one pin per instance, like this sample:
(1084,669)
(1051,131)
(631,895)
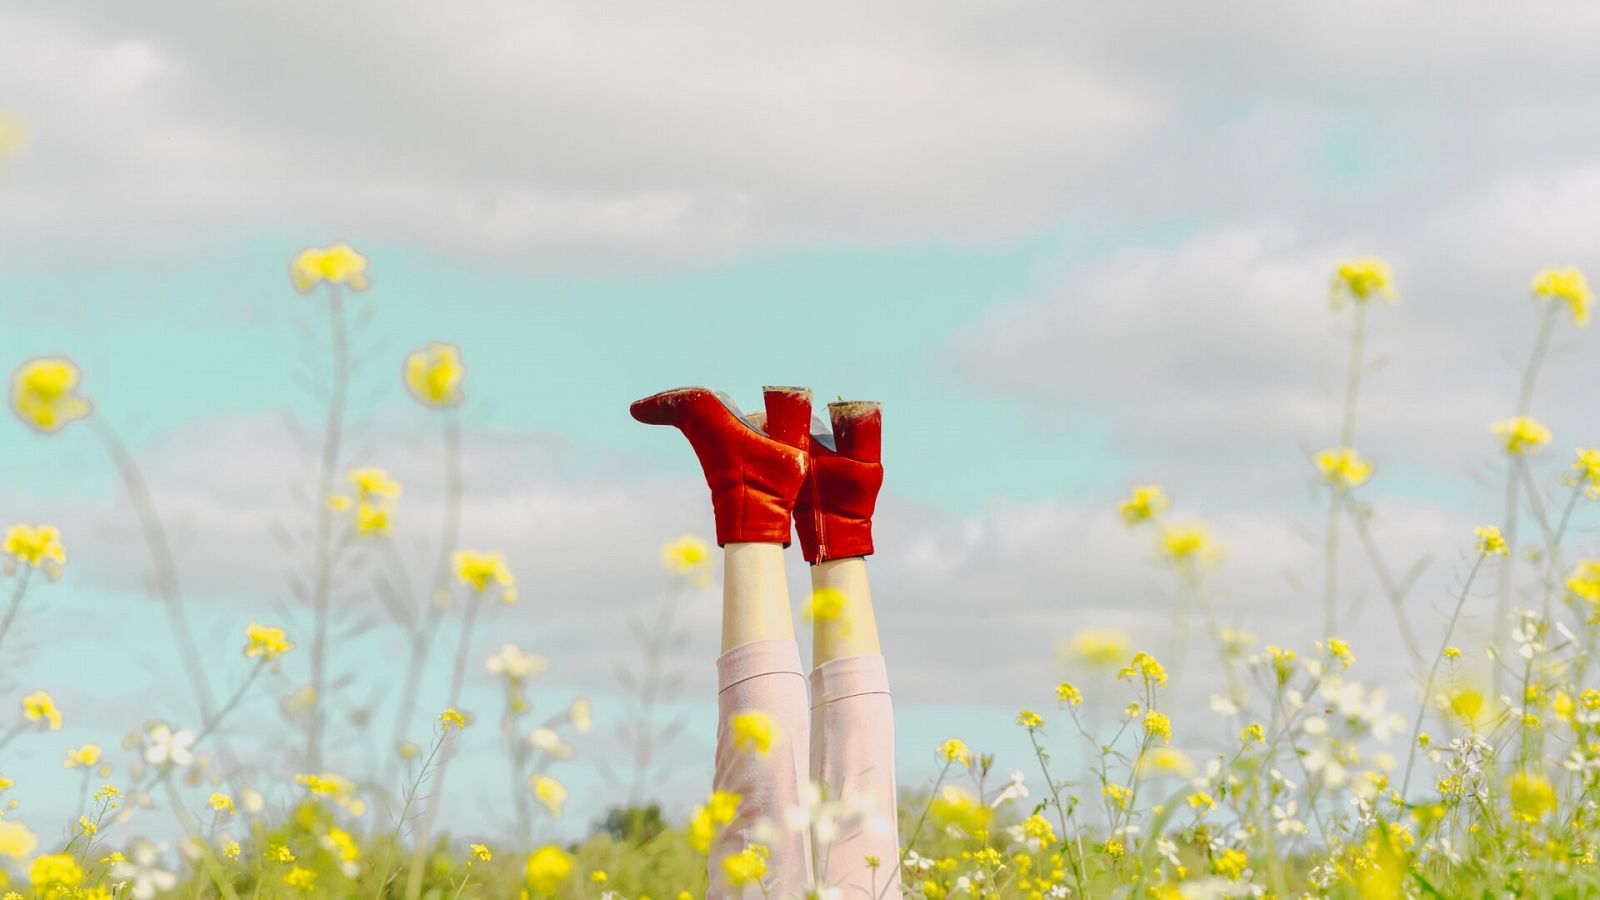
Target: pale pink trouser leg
(763,675)
(852,758)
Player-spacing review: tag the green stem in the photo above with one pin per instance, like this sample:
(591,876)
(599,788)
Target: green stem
(323,581)
(1433,671)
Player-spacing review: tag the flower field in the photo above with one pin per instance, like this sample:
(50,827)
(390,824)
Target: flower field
(1480,781)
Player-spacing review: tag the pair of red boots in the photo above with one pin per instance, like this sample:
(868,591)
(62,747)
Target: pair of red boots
(764,469)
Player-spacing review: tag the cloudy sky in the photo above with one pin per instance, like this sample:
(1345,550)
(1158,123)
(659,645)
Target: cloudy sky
(1070,247)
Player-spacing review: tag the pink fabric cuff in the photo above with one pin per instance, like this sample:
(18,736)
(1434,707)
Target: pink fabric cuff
(756,658)
(848,676)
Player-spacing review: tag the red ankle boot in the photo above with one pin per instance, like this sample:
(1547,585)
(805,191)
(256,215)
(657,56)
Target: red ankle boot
(833,514)
(754,475)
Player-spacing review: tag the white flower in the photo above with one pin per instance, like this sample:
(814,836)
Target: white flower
(167,745)
(545,738)
(1013,791)
(141,870)
(1222,706)
(516,664)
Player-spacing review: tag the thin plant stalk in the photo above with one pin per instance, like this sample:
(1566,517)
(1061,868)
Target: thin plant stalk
(322,589)
(16,601)
(1433,672)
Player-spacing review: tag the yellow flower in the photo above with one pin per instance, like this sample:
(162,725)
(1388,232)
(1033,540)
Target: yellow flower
(753,731)
(14,136)
(82,757)
(1568,285)
(550,793)
(1521,434)
(221,802)
(747,866)
(1037,826)
(1490,541)
(1157,725)
(16,841)
(1117,795)
(55,870)
(1343,467)
(581,714)
(1030,720)
(1585,580)
(267,643)
(1145,502)
(44,394)
(231,849)
(280,853)
(1100,649)
(1066,693)
(1340,651)
(452,719)
(1470,706)
(338,264)
(548,866)
(374,484)
(1532,797)
(342,843)
(37,706)
(301,879)
(1201,801)
(1145,666)
(1361,279)
(1452,653)
(701,829)
(1588,471)
(826,605)
(434,374)
(481,852)
(1230,864)
(689,557)
(328,784)
(37,546)
(1164,761)
(1189,543)
(722,806)
(956,751)
(478,570)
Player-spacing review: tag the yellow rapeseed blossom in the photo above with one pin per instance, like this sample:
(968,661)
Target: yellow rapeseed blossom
(1037,826)
(1145,667)
(478,570)
(36,546)
(44,394)
(1469,706)
(336,264)
(754,731)
(826,605)
(1343,467)
(550,793)
(1253,733)
(1585,580)
(82,757)
(1340,651)
(1490,541)
(452,719)
(16,840)
(1030,720)
(599,876)
(1164,761)
(547,868)
(221,802)
(265,642)
(434,374)
(1157,725)
(1066,693)
(1361,279)
(1521,434)
(1569,286)
(55,870)
(38,706)
(956,751)
(1191,543)
(1587,472)
(1145,502)
(301,879)
(748,866)
(480,851)
(688,556)
(1532,796)
(14,136)
(1097,648)
(1230,864)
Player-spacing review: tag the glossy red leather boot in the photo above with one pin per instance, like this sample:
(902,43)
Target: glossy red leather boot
(754,474)
(833,515)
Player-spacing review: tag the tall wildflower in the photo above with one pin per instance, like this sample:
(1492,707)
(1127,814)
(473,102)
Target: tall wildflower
(433,375)
(44,394)
(336,264)
(1567,286)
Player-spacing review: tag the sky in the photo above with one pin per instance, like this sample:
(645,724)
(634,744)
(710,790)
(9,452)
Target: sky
(1070,248)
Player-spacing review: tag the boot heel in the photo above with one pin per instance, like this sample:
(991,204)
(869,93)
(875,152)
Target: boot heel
(858,429)
(788,415)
